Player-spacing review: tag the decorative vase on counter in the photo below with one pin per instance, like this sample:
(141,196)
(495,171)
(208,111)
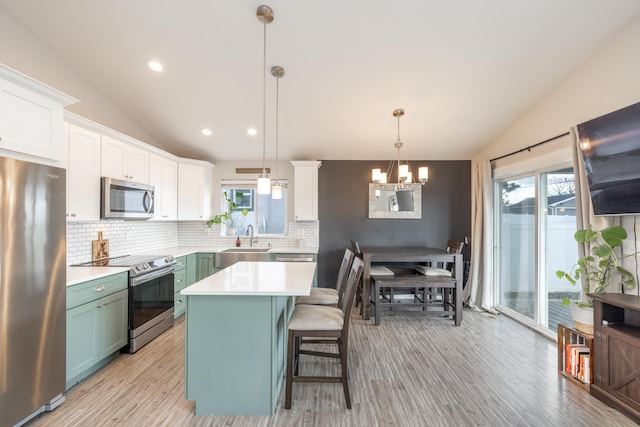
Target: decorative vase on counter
(231,230)
(582,318)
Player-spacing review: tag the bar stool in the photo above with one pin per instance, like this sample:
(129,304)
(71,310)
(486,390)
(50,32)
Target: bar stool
(326,322)
(330,296)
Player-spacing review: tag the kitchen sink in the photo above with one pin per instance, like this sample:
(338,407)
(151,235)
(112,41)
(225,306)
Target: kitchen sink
(230,256)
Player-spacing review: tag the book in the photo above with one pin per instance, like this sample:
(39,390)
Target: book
(571,358)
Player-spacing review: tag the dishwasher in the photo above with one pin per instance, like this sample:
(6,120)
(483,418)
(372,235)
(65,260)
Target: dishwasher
(291,257)
(294,257)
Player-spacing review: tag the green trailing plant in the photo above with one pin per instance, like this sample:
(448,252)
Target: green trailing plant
(232,206)
(601,268)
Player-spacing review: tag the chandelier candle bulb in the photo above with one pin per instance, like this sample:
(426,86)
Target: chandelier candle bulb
(403,171)
(423,174)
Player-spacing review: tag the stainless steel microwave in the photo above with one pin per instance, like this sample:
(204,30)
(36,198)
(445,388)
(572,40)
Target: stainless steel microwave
(125,200)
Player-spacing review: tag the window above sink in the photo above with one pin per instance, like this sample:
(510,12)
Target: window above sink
(268,216)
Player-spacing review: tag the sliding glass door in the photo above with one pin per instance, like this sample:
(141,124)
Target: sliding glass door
(534,235)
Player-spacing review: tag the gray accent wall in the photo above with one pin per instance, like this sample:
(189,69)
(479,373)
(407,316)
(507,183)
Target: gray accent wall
(343,210)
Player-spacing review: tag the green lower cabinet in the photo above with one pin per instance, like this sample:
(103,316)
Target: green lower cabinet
(97,329)
(185,275)
(82,339)
(179,305)
(113,323)
(205,265)
(191,269)
(237,366)
(179,283)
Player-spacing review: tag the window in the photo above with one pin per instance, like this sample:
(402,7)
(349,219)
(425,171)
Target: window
(268,216)
(534,235)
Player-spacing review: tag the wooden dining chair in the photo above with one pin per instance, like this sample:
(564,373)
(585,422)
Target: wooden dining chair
(355,246)
(434,293)
(330,296)
(327,322)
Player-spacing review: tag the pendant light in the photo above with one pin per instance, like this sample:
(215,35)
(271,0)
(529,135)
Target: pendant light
(276,190)
(265,15)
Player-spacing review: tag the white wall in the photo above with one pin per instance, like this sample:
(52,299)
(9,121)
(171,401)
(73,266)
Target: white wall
(606,82)
(22,51)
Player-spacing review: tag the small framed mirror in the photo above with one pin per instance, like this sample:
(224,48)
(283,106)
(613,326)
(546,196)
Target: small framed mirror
(388,202)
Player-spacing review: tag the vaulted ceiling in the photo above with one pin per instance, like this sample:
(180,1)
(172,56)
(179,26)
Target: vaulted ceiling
(463,70)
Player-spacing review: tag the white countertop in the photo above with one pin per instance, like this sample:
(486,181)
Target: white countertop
(182,250)
(77,275)
(257,278)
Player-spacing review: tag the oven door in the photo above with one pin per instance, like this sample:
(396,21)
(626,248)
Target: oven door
(150,300)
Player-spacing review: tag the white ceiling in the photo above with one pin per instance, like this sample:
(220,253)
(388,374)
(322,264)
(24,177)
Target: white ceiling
(463,70)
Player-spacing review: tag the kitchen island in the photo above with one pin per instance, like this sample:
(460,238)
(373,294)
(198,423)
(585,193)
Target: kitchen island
(236,335)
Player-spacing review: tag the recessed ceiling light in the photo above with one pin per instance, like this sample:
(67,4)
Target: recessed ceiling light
(206,132)
(154,65)
(252,131)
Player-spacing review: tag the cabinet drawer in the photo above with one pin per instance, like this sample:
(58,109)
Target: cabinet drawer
(181,263)
(179,280)
(179,304)
(95,289)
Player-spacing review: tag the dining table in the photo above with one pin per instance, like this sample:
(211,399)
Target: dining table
(381,255)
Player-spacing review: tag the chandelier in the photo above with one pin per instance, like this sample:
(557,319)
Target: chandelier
(404,173)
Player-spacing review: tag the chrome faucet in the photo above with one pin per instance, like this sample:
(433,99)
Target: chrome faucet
(250,233)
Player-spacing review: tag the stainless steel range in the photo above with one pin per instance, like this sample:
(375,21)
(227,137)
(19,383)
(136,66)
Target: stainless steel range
(150,295)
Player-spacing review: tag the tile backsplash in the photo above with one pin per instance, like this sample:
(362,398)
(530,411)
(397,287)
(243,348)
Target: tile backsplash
(128,237)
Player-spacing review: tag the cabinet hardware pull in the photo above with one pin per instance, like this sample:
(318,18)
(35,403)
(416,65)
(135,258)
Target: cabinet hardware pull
(99,305)
(100,288)
(179,280)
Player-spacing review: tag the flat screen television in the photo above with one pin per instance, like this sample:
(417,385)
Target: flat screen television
(610,146)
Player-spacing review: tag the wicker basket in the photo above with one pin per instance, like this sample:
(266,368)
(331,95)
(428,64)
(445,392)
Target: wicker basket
(582,318)
(584,327)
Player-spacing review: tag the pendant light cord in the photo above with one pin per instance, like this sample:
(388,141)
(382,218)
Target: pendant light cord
(264,97)
(277,105)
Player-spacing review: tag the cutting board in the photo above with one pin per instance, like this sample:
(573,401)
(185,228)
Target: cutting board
(99,248)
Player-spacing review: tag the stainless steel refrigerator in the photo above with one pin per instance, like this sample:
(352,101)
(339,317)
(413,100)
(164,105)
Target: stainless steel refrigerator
(32,289)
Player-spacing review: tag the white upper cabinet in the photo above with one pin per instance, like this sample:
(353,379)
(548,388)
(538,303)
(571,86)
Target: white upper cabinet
(125,161)
(83,174)
(305,189)
(30,118)
(163,175)
(195,182)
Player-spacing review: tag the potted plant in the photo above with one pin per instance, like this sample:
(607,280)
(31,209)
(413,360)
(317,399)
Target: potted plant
(599,270)
(227,217)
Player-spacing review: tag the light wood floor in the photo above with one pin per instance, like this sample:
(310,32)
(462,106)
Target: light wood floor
(409,371)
